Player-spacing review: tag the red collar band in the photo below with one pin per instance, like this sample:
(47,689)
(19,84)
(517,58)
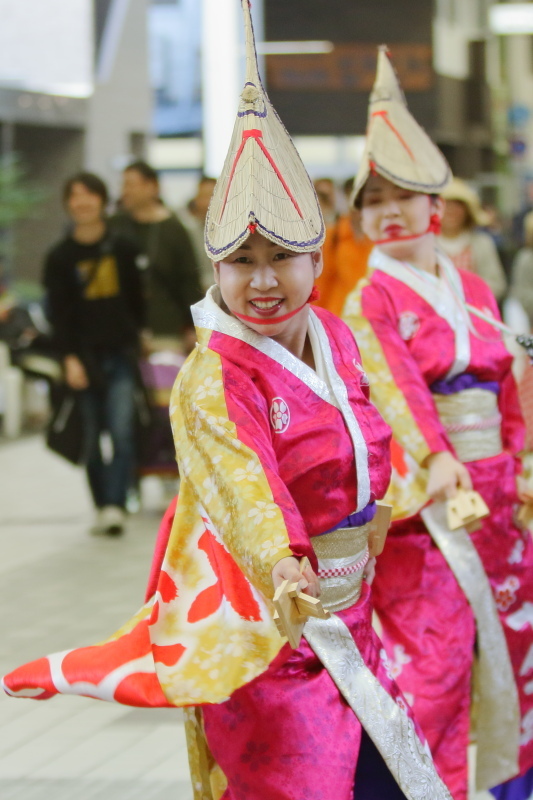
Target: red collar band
(273,320)
(433,227)
(315,294)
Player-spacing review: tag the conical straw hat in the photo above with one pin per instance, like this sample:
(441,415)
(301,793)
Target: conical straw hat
(264,185)
(396,146)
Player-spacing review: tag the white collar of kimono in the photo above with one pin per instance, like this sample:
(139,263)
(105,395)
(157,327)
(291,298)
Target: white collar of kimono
(444,294)
(209,314)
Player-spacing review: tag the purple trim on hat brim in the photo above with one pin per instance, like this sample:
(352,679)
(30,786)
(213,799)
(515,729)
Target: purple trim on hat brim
(263,114)
(244,235)
(423,188)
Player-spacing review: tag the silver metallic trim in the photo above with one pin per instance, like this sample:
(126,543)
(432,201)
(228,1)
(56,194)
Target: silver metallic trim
(498,708)
(341,393)
(388,725)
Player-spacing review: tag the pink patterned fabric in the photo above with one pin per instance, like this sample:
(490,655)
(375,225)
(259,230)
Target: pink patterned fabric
(418,362)
(428,626)
(268,738)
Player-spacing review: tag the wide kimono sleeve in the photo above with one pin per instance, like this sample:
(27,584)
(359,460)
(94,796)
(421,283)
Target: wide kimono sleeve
(208,627)
(223,439)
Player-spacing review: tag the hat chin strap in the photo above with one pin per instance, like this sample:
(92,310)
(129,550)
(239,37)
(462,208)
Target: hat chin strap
(275,320)
(434,226)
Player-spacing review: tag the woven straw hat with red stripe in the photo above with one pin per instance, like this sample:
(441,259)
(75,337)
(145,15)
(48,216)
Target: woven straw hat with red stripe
(397,147)
(264,185)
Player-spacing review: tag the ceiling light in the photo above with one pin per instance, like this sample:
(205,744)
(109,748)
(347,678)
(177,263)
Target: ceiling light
(511,18)
(293,48)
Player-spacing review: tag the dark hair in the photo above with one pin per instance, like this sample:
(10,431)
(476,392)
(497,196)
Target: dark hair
(92,183)
(145,170)
(347,186)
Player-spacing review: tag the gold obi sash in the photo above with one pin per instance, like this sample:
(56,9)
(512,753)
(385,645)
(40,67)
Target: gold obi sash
(342,557)
(473,423)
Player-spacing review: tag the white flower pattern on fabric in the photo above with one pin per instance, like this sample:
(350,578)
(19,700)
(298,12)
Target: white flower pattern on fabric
(517,553)
(209,660)
(505,594)
(394,666)
(280,415)
(209,388)
(237,646)
(272,546)
(248,473)
(262,511)
(408,325)
(211,489)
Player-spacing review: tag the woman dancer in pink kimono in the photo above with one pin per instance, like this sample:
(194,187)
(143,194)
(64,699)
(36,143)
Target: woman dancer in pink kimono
(456,609)
(281,456)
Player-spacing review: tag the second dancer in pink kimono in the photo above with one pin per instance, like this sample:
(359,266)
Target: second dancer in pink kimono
(456,608)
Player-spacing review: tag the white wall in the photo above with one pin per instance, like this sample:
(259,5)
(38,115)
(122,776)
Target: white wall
(47,45)
(122,100)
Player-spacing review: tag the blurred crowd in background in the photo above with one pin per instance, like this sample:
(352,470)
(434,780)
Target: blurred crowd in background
(58,355)
(99,383)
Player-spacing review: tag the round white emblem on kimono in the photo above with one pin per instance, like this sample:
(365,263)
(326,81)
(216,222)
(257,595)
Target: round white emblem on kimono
(408,325)
(280,416)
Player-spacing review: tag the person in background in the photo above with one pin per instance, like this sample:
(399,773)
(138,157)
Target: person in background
(345,252)
(96,306)
(326,193)
(470,249)
(168,259)
(522,272)
(193,217)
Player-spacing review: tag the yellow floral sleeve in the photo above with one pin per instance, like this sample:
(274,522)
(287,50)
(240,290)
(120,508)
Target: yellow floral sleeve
(227,476)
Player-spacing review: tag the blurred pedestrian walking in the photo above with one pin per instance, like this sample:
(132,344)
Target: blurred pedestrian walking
(470,249)
(522,272)
(169,264)
(96,306)
(193,217)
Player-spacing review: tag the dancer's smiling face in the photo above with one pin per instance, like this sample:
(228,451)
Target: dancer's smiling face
(391,215)
(264,281)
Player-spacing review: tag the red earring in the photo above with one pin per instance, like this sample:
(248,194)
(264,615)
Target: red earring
(435,224)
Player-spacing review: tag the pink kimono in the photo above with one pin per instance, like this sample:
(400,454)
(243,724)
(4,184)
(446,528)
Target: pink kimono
(272,456)
(456,609)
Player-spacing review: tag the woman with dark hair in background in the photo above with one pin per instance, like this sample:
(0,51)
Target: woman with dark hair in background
(168,260)
(96,307)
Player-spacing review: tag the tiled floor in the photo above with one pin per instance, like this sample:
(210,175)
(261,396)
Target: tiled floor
(60,588)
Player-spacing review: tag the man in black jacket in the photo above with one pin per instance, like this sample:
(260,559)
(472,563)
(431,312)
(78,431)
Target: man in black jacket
(171,272)
(96,306)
